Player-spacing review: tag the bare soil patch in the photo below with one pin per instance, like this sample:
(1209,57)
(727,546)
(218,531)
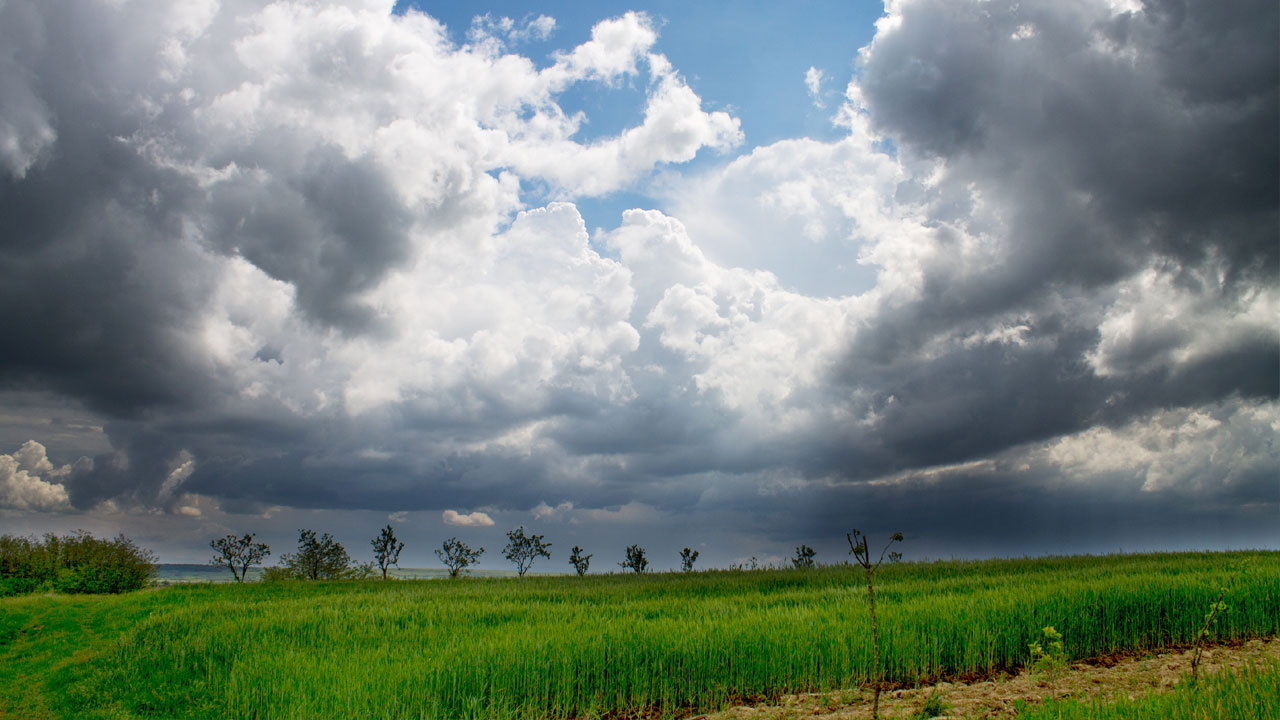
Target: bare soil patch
(1133,675)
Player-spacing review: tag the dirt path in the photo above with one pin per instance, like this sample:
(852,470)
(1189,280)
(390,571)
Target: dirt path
(995,698)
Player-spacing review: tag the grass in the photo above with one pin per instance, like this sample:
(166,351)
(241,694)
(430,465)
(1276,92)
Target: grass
(1249,694)
(594,646)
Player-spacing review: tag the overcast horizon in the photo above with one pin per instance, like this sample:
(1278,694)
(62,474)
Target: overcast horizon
(1001,275)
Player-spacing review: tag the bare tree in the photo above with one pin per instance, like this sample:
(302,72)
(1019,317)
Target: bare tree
(523,549)
(386,550)
(687,558)
(858,548)
(635,559)
(238,553)
(457,556)
(579,561)
(804,558)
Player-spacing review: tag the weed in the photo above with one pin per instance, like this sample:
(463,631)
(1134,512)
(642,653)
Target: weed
(932,707)
(1215,608)
(1048,654)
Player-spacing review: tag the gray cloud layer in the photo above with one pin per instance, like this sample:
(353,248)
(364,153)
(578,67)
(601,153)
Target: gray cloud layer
(282,253)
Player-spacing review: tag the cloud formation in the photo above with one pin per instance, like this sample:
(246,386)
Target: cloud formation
(473,519)
(813,83)
(320,256)
(28,481)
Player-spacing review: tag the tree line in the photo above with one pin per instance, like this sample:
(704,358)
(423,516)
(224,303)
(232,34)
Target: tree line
(323,558)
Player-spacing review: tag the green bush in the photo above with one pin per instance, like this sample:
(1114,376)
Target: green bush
(77,563)
(10,586)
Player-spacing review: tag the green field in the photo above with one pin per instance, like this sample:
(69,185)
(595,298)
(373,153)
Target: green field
(606,645)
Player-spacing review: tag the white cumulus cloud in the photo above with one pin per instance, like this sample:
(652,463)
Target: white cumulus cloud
(28,481)
(474,519)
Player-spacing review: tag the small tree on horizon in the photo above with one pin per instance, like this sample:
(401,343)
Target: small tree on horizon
(386,549)
(579,561)
(457,555)
(321,558)
(238,553)
(635,559)
(858,548)
(523,549)
(804,558)
(687,558)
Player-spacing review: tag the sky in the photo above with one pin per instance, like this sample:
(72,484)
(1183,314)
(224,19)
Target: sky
(1002,275)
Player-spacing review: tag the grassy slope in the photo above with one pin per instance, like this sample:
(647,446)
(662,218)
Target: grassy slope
(568,646)
(48,643)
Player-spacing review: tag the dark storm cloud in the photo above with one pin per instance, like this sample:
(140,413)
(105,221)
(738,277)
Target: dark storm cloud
(1159,125)
(1097,149)
(331,227)
(971,402)
(986,514)
(97,283)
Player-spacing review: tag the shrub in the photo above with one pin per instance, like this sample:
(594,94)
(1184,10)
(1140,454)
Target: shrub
(803,559)
(77,563)
(579,561)
(457,555)
(688,557)
(636,561)
(1048,654)
(10,586)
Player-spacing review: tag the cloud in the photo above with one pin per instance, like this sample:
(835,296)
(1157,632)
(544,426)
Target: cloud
(398,517)
(475,519)
(616,45)
(28,481)
(496,33)
(803,210)
(813,83)
(543,511)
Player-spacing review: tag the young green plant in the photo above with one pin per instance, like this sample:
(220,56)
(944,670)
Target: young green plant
(858,548)
(1211,618)
(1048,654)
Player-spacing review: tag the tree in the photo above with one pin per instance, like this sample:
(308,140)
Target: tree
(858,548)
(238,553)
(635,559)
(579,561)
(687,559)
(804,557)
(320,558)
(523,549)
(457,556)
(386,550)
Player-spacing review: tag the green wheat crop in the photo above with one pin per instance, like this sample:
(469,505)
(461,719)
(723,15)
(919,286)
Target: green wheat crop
(562,647)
